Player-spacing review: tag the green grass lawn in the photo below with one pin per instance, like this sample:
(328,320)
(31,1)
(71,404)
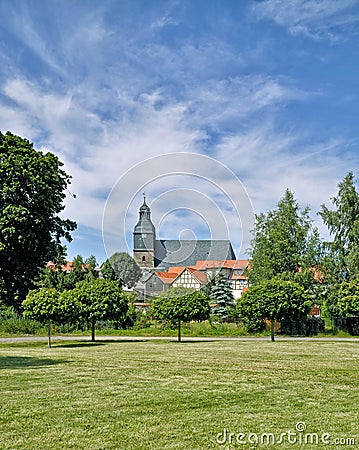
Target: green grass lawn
(166,395)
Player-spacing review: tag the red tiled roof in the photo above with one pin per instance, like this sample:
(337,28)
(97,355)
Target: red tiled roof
(238,277)
(226,264)
(201,277)
(68,267)
(198,271)
(178,269)
(166,277)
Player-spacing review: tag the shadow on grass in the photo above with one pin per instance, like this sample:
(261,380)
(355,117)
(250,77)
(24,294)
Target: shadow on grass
(191,341)
(24,362)
(98,342)
(164,340)
(122,341)
(79,344)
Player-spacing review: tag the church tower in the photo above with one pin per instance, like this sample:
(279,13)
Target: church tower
(144,237)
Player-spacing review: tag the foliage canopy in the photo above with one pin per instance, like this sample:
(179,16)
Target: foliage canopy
(274,299)
(181,305)
(55,277)
(284,240)
(123,267)
(32,186)
(348,298)
(343,225)
(99,299)
(342,263)
(48,306)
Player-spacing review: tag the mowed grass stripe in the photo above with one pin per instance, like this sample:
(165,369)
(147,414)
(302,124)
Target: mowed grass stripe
(155,394)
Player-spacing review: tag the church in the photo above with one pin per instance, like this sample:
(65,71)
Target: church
(162,254)
(167,263)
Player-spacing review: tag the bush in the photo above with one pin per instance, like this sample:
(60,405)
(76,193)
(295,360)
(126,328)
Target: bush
(7,313)
(143,320)
(19,325)
(13,323)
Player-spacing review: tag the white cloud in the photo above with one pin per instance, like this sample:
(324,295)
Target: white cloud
(317,19)
(268,162)
(229,101)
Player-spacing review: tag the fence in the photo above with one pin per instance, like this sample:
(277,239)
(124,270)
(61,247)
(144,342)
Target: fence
(306,327)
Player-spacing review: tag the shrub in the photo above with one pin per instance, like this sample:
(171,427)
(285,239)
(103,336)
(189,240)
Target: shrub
(19,325)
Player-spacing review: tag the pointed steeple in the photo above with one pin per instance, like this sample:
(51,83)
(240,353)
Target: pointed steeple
(144,237)
(145,211)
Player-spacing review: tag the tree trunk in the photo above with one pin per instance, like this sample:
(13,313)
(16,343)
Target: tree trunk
(49,334)
(179,331)
(272,322)
(93,323)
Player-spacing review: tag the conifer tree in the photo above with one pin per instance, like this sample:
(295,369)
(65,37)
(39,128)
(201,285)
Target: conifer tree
(221,295)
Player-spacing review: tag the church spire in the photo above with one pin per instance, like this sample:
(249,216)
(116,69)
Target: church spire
(145,211)
(144,236)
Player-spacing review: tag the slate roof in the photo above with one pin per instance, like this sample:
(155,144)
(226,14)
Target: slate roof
(171,253)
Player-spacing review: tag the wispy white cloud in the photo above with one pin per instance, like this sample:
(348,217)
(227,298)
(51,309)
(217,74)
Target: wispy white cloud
(269,161)
(229,101)
(316,19)
(165,20)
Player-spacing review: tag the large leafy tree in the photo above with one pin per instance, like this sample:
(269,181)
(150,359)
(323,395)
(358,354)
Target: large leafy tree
(343,225)
(284,241)
(181,305)
(274,299)
(99,299)
(123,267)
(32,192)
(342,262)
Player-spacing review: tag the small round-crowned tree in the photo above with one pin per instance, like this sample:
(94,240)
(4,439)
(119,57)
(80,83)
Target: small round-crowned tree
(49,306)
(181,305)
(99,299)
(273,300)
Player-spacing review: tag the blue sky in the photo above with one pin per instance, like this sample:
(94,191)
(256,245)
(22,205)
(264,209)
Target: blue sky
(259,96)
